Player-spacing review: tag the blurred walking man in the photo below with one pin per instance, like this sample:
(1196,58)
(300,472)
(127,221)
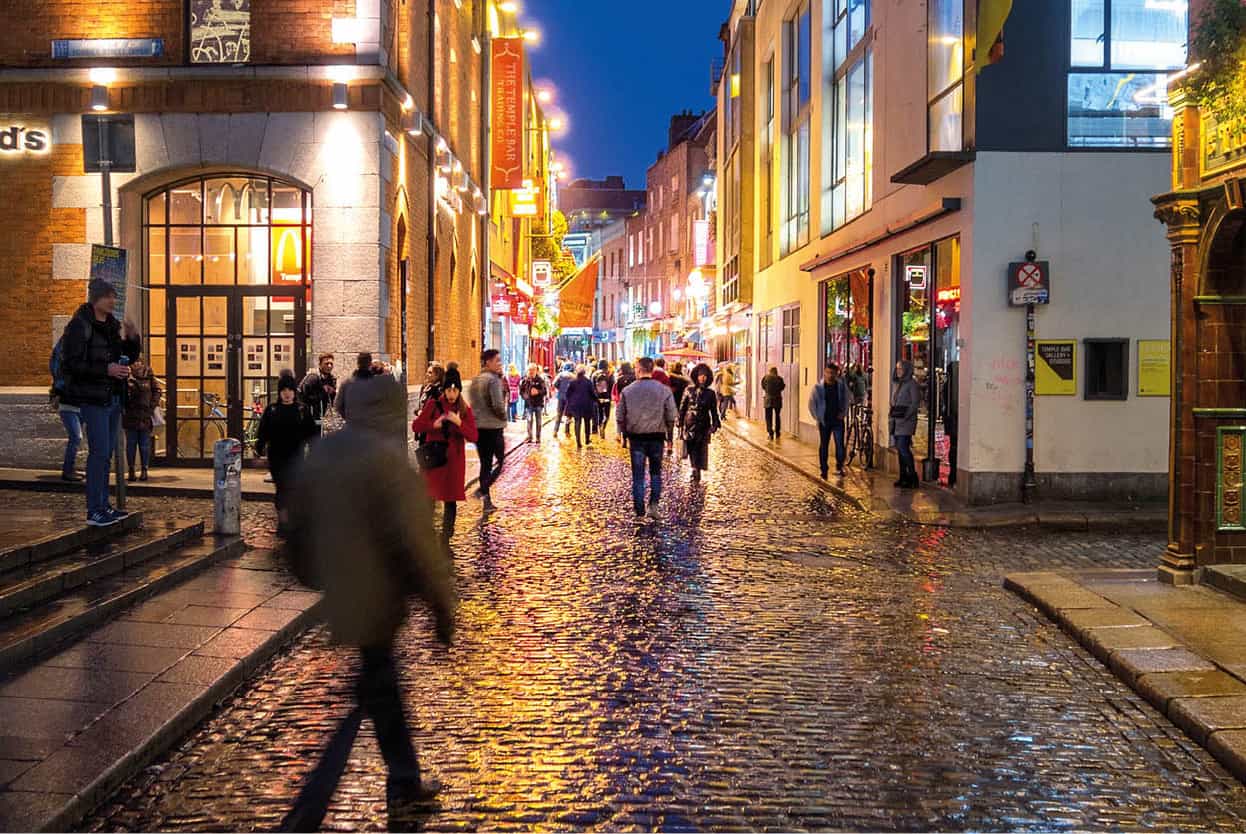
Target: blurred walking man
(646,415)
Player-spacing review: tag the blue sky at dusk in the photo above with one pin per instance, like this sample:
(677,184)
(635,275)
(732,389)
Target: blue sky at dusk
(621,70)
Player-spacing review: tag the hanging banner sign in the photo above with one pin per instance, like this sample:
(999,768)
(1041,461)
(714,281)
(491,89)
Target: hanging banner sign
(1055,372)
(1154,368)
(508,112)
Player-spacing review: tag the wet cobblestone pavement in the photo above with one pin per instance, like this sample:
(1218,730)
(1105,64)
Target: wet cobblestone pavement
(765,658)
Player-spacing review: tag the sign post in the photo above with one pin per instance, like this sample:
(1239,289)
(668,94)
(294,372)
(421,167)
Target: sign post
(1029,284)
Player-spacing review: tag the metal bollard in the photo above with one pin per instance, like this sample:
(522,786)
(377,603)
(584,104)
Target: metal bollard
(227,489)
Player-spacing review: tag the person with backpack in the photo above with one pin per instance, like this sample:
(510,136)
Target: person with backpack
(71,415)
(138,418)
(97,350)
(535,392)
(698,419)
(286,426)
(603,387)
(625,378)
(447,425)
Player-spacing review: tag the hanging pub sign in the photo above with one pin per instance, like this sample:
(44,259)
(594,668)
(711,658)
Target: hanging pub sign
(508,112)
(542,274)
(1029,282)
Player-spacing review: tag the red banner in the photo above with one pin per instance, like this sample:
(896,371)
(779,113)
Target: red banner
(508,113)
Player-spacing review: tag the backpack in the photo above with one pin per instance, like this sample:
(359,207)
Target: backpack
(602,385)
(56,367)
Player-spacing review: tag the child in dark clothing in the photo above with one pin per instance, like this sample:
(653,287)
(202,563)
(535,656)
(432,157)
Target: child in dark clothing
(285,428)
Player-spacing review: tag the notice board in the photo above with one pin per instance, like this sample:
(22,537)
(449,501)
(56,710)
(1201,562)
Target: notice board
(1055,368)
(1154,368)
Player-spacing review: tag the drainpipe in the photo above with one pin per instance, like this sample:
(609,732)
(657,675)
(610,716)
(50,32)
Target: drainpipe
(432,178)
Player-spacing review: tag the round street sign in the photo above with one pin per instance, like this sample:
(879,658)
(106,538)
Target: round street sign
(1030,276)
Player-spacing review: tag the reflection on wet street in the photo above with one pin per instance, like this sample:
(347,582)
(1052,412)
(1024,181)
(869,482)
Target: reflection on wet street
(765,657)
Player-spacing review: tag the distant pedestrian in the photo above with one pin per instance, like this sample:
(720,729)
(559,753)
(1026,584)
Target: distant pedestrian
(513,378)
(447,422)
(828,405)
(646,415)
(698,419)
(373,400)
(285,428)
(138,419)
(363,532)
(97,350)
(726,388)
(319,389)
(625,377)
(487,397)
(772,386)
(434,379)
(906,397)
(564,378)
(603,388)
(858,382)
(535,391)
(582,405)
(659,371)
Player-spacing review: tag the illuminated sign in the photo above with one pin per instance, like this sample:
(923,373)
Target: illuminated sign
(542,274)
(700,242)
(19,139)
(916,277)
(526,201)
(508,112)
(950,294)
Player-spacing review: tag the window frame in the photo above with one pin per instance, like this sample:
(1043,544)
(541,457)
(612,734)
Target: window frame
(859,56)
(797,117)
(1098,395)
(1106,68)
(949,91)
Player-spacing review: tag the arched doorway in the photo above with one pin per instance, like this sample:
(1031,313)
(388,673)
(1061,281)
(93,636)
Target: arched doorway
(227,271)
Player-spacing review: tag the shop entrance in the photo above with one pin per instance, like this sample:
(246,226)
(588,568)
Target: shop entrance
(227,275)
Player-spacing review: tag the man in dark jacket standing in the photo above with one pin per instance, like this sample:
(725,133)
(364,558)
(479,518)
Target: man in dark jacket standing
(318,390)
(646,417)
(828,403)
(94,344)
(489,397)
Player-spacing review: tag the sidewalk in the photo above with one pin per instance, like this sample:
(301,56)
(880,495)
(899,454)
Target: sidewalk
(196,482)
(1182,648)
(875,491)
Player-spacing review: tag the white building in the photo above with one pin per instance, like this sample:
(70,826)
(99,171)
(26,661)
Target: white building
(888,182)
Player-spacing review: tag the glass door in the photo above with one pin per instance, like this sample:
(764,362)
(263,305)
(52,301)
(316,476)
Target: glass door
(228,348)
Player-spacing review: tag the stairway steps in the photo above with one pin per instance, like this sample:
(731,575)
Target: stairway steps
(38,582)
(62,542)
(35,632)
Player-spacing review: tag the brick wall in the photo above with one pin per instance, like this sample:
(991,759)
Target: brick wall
(31,26)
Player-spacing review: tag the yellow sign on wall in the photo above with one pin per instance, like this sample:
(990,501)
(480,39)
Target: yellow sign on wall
(1154,368)
(1055,368)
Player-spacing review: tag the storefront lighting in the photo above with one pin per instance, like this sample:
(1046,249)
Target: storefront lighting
(99,97)
(102,75)
(339,96)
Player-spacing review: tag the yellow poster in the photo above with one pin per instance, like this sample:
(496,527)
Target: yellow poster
(1055,368)
(1154,368)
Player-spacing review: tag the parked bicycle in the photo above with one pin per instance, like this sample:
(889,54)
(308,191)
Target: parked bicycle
(860,434)
(216,426)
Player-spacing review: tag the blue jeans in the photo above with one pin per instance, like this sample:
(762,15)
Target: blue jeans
(137,440)
(72,420)
(904,449)
(101,422)
(643,450)
(825,434)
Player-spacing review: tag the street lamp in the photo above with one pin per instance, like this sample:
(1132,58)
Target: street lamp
(509,6)
(532,36)
(545,95)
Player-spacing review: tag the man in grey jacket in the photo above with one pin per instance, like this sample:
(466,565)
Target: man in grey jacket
(828,404)
(646,415)
(489,397)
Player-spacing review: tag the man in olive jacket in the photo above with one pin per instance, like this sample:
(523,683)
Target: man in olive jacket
(362,531)
(489,396)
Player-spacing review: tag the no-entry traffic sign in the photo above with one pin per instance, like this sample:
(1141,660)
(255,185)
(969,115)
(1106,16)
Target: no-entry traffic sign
(1029,282)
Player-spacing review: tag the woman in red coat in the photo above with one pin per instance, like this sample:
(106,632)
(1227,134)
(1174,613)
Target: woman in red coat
(448,420)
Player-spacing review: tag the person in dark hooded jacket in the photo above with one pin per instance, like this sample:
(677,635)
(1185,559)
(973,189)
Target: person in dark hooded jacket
(906,397)
(582,405)
(698,419)
(603,388)
(286,426)
(92,347)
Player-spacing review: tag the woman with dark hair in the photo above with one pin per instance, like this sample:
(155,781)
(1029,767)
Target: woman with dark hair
(449,420)
(434,379)
(698,419)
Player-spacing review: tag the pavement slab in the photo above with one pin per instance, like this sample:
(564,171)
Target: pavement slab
(1200,717)
(1161,687)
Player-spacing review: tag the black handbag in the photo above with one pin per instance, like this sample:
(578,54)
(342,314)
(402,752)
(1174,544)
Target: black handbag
(899,412)
(434,454)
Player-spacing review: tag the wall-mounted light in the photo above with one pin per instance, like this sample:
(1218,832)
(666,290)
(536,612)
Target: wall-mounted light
(413,123)
(509,6)
(339,96)
(99,97)
(102,75)
(532,36)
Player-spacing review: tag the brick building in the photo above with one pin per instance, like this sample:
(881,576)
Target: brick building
(308,176)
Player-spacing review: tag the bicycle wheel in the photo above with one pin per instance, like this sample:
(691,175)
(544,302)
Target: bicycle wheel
(867,451)
(213,430)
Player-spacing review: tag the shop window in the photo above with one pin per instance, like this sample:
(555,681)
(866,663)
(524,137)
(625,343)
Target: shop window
(847,81)
(945,56)
(1120,55)
(797,49)
(849,317)
(220,31)
(1107,369)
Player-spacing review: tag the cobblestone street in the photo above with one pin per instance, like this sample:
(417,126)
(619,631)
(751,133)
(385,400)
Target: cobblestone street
(766,657)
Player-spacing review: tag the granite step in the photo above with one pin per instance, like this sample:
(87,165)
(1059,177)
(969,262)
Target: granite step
(37,631)
(36,582)
(33,537)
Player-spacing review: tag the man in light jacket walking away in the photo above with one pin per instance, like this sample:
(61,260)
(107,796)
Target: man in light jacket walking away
(646,415)
(828,403)
(489,397)
(906,398)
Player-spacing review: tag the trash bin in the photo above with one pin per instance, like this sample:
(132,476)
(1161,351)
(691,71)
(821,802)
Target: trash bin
(227,489)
